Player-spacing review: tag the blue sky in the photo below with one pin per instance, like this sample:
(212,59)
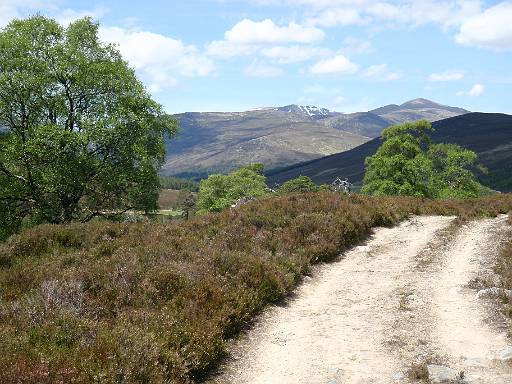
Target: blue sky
(347,55)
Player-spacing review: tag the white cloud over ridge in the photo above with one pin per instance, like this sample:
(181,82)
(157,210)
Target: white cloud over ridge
(475,91)
(338,65)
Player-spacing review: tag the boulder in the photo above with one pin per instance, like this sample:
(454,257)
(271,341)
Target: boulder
(439,374)
(506,354)
(494,292)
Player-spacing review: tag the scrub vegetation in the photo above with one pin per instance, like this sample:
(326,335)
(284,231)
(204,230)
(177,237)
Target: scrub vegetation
(145,302)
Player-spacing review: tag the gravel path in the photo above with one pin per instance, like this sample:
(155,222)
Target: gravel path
(398,301)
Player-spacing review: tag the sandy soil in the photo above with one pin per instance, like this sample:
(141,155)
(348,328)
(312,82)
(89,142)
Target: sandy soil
(401,299)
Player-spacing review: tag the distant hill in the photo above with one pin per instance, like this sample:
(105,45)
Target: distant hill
(220,142)
(362,123)
(373,122)
(282,136)
(488,134)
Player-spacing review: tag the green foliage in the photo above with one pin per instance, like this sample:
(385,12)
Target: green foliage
(219,192)
(408,164)
(187,202)
(170,182)
(256,167)
(453,172)
(301,184)
(500,178)
(83,136)
(155,303)
(326,188)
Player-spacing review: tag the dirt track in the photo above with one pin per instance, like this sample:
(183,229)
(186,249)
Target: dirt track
(401,300)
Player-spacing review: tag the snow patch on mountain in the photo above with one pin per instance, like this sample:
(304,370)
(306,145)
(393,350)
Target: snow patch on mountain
(308,110)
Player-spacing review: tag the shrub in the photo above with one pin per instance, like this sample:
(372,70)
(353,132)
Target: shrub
(300,184)
(146,302)
(408,164)
(219,192)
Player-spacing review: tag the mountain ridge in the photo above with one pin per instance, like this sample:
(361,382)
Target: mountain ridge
(218,142)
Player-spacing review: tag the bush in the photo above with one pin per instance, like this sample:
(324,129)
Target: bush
(219,192)
(301,184)
(408,164)
(146,302)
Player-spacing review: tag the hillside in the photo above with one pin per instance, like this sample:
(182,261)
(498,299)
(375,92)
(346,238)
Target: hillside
(219,142)
(372,123)
(488,134)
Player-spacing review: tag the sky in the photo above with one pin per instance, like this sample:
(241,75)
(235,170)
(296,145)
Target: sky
(345,55)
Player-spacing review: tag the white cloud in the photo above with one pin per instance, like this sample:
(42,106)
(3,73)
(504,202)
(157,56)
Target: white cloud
(226,49)
(293,54)
(380,72)
(491,29)
(249,37)
(446,76)
(338,16)
(11,9)
(67,16)
(267,32)
(163,58)
(475,91)
(257,69)
(355,46)
(337,65)
(407,13)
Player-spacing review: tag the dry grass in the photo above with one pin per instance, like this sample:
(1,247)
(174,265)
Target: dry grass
(504,269)
(142,302)
(168,198)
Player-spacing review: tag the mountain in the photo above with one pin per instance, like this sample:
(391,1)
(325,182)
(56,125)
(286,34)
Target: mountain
(488,134)
(418,109)
(282,136)
(361,123)
(372,123)
(219,142)
(313,112)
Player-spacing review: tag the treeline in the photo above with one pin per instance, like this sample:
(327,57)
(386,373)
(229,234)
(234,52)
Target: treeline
(170,182)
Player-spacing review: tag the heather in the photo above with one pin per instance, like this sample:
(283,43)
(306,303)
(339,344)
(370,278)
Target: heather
(145,302)
(504,269)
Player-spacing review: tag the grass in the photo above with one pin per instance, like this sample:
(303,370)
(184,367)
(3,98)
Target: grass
(145,302)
